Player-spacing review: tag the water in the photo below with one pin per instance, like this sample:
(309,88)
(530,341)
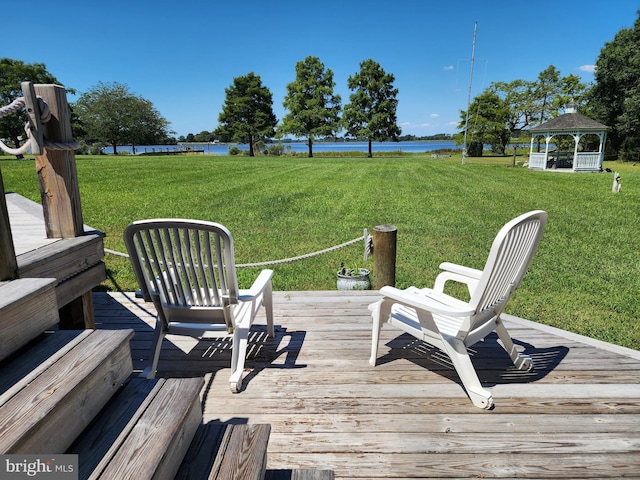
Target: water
(223,149)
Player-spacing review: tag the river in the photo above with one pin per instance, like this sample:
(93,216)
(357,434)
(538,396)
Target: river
(223,149)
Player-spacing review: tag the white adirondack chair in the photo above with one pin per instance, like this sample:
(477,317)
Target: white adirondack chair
(451,324)
(187,268)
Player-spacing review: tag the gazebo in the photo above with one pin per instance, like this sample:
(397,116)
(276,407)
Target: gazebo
(577,126)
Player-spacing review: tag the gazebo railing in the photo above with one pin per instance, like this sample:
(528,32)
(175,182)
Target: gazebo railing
(591,161)
(584,162)
(538,160)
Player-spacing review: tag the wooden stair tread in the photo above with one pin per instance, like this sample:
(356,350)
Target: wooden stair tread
(299,474)
(156,436)
(113,423)
(25,366)
(51,410)
(28,306)
(226,452)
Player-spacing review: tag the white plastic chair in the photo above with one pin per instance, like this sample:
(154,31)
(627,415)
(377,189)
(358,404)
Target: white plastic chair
(187,268)
(451,324)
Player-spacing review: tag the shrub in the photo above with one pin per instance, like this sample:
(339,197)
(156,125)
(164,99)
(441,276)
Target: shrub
(275,149)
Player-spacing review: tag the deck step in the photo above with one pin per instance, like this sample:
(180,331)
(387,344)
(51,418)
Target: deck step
(300,474)
(22,369)
(226,452)
(144,432)
(50,405)
(28,306)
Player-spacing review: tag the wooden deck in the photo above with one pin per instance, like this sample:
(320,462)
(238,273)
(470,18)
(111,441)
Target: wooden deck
(27,224)
(75,262)
(576,415)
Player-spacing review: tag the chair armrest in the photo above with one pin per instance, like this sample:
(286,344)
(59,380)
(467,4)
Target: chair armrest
(259,285)
(461,270)
(421,302)
(457,273)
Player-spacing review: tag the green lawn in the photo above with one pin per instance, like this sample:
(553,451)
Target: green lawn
(584,278)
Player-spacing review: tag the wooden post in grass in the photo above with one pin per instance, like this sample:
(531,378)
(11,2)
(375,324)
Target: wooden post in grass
(61,195)
(384,255)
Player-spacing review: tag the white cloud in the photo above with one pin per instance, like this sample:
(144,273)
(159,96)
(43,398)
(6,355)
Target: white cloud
(448,67)
(587,68)
(434,115)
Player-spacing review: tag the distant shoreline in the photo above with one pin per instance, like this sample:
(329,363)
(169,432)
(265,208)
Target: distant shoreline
(285,142)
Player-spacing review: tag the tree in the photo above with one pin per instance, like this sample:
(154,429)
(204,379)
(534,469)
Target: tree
(371,114)
(12,74)
(488,118)
(247,114)
(519,96)
(313,107)
(521,104)
(615,97)
(111,114)
(552,93)
(204,136)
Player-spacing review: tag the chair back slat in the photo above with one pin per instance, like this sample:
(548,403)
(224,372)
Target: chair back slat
(184,263)
(220,249)
(189,275)
(209,255)
(509,258)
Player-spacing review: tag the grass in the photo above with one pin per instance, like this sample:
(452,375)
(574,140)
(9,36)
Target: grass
(584,278)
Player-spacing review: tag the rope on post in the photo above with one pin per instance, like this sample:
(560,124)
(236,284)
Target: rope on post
(14,106)
(32,143)
(366,237)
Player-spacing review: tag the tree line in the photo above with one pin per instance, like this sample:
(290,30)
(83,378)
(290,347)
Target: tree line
(206,136)
(505,109)
(109,114)
(313,107)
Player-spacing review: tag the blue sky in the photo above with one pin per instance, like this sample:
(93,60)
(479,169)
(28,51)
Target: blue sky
(182,55)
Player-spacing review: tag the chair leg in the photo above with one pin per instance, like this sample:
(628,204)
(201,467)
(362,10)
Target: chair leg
(379,313)
(238,355)
(158,335)
(267,301)
(520,360)
(457,351)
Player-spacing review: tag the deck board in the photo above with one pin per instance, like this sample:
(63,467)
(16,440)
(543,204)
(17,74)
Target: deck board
(577,415)
(27,224)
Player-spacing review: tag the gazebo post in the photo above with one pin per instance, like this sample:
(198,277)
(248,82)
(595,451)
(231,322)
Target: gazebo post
(547,139)
(576,139)
(603,139)
(533,136)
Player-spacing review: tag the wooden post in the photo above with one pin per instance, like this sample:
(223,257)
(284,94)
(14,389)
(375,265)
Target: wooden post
(61,195)
(8,262)
(57,170)
(384,255)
